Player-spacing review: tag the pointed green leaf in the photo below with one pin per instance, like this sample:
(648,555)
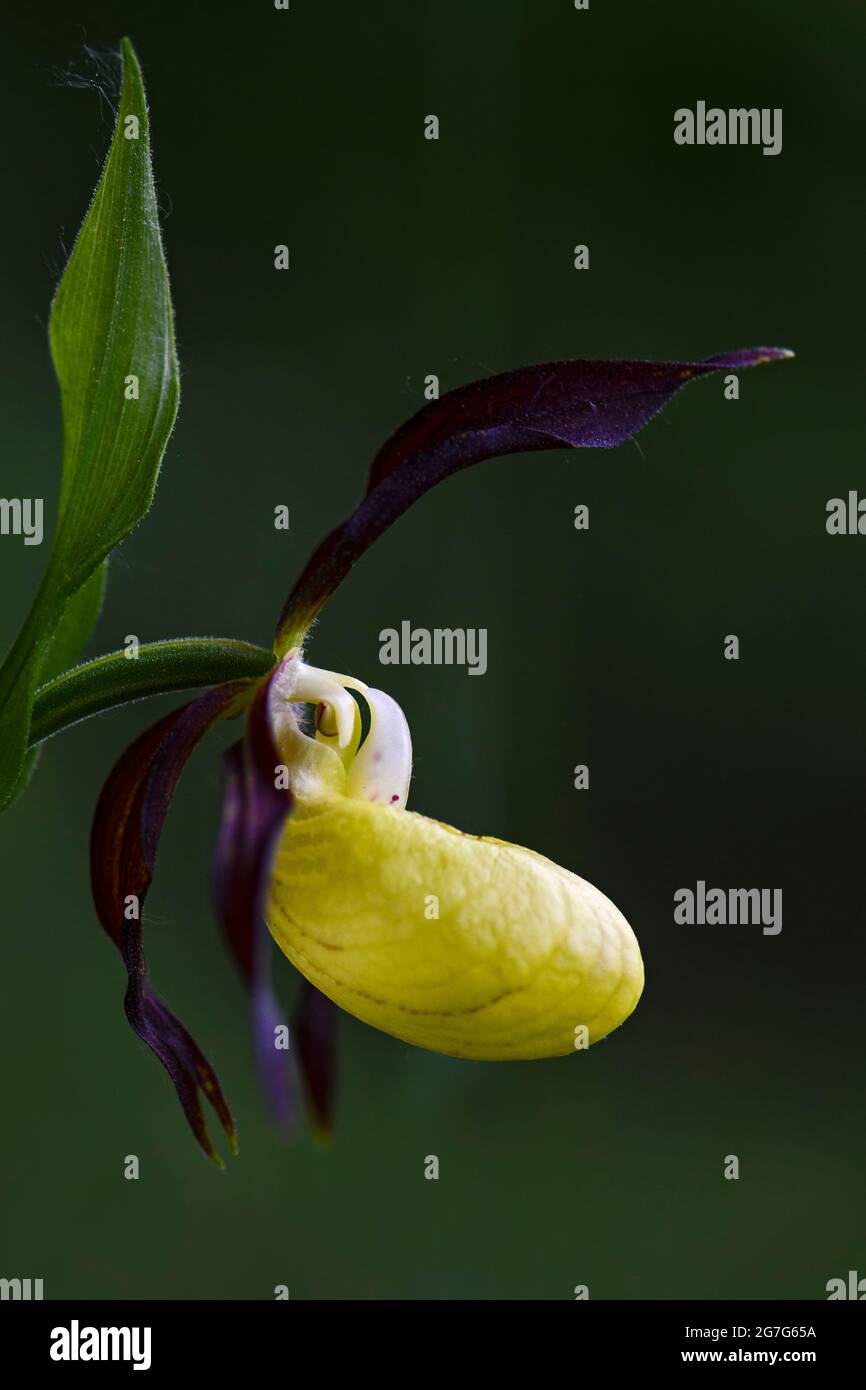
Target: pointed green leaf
(112,341)
(75,626)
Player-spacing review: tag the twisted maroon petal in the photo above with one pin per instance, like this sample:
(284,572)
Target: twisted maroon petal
(552,405)
(255,809)
(124,838)
(316,1032)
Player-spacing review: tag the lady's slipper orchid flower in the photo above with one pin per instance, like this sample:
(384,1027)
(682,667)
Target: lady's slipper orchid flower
(316,845)
(521,954)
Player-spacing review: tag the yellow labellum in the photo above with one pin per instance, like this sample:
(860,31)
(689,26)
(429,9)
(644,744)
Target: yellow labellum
(521,956)
(457,943)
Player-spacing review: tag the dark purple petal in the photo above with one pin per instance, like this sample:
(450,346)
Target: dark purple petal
(316,1033)
(126,828)
(254,812)
(553,405)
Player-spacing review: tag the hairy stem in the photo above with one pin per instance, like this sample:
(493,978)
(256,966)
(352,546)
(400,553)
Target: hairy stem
(183,663)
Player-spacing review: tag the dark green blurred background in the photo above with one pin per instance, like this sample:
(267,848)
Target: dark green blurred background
(411,257)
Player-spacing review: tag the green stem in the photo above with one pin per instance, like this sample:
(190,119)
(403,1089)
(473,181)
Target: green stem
(160,667)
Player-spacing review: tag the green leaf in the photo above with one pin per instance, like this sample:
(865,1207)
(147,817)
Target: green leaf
(76,624)
(112,342)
